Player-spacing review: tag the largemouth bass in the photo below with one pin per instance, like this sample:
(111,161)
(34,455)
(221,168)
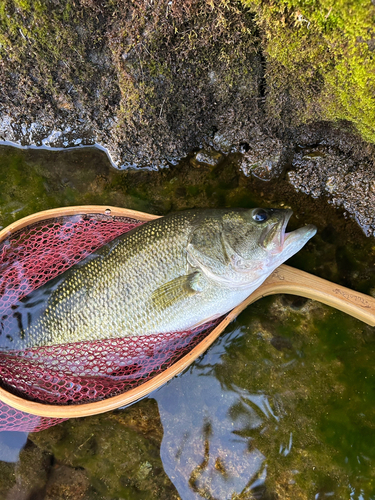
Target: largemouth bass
(170,274)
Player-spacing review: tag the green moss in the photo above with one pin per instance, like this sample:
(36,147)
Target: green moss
(320,60)
(45,49)
(164,57)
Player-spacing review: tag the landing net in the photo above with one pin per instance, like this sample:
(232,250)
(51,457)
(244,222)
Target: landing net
(79,372)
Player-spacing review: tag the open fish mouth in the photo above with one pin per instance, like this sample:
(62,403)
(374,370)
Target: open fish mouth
(283,235)
(278,241)
(273,237)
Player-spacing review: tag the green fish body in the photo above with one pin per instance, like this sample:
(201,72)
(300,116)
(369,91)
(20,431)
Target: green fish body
(170,274)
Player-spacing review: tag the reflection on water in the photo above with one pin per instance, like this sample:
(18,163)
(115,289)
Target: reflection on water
(10,445)
(205,450)
(282,406)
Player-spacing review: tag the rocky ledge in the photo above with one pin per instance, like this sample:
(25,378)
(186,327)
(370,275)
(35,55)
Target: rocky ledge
(289,87)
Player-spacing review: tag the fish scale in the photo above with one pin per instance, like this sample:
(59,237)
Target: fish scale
(169,274)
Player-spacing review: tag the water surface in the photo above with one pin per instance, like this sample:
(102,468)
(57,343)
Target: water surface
(281,406)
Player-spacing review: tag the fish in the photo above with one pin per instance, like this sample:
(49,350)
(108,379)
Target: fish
(171,274)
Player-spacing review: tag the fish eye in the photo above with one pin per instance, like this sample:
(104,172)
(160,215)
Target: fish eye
(260,215)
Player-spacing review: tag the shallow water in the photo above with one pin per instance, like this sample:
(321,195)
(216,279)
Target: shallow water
(281,406)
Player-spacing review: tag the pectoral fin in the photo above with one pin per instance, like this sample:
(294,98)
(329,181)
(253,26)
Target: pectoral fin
(179,289)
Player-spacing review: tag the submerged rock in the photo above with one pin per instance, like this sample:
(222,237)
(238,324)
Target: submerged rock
(263,158)
(68,483)
(114,455)
(31,473)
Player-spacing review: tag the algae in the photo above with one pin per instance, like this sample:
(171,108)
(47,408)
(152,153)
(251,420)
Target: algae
(118,451)
(305,363)
(281,406)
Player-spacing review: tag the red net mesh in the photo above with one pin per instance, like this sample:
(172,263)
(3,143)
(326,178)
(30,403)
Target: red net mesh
(30,257)
(77,372)
(16,420)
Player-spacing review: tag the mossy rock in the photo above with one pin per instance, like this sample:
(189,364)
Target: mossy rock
(152,81)
(320,61)
(148,81)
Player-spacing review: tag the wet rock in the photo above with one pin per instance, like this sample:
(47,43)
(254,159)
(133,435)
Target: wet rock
(262,160)
(324,170)
(149,83)
(211,158)
(224,141)
(152,83)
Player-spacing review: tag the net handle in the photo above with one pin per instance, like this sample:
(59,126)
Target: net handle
(284,279)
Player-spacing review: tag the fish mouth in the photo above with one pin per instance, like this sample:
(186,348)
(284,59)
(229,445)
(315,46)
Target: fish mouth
(283,235)
(273,237)
(277,240)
